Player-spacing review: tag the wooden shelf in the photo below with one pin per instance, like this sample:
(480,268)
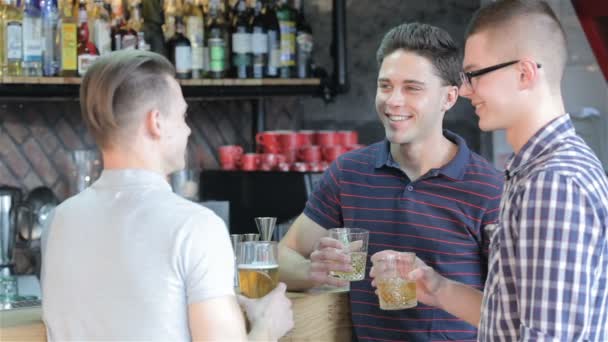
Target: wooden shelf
(45,87)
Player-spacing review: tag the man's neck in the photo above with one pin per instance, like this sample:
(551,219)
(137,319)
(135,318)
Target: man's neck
(532,121)
(129,158)
(416,159)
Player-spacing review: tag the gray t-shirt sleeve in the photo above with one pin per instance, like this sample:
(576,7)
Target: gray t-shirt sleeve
(207,259)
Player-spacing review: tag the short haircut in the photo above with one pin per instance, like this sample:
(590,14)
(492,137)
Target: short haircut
(532,28)
(426,41)
(118,87)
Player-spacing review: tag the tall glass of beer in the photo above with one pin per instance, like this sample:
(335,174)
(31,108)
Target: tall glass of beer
(395,292)
(258,266)
(354,242)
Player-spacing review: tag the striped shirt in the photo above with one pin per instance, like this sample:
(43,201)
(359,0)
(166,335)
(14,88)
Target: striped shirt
(549,254)
(439,216)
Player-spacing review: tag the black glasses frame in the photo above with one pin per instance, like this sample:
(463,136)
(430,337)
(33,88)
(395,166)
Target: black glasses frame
(468,76)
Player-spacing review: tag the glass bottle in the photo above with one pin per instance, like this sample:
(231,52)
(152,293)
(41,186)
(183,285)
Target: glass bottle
(195,32)
(32,39)
(217,41)
(287,24)
(180,51)
(102,34)
(50,20)
(304,46)
(241,40)
(274,39)
(69,40)
(87,52)
(259,41)
(13,35)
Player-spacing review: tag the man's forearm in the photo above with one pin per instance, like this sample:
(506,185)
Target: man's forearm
(294,269)
(461,300)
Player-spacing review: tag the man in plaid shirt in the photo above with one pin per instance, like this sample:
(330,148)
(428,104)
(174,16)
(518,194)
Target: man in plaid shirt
(549,251)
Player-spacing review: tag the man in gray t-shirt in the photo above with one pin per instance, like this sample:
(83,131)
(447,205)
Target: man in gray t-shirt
(127,259)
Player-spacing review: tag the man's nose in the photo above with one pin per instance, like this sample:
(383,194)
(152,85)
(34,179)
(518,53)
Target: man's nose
(396,98)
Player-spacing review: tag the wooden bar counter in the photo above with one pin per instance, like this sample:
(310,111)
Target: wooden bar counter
(320,315)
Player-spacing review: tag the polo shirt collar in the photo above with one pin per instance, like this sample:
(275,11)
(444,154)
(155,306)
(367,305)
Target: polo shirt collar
(454,169)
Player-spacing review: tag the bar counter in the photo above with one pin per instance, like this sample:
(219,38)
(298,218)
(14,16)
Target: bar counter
(320,315)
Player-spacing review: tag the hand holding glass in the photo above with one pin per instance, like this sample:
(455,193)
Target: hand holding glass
(395,292)
(355,242)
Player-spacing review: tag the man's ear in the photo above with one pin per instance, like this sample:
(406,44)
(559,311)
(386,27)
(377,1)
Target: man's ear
(450,98)
(153,123)
(528,73)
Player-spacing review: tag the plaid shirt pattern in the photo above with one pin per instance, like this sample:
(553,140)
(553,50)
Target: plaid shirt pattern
(549,251)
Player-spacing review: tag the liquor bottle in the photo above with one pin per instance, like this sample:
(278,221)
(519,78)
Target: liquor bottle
(32,39)
(287,23)
(241,40)
(141,42)
(180,51)
(217,38)
(50,20)
(304,46)
(274,39)
(69,40)
(13,35)
(102,33)
(123,37)
(195,32)
(87,52)
(259,41)
(2,36)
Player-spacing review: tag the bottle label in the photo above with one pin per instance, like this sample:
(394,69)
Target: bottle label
(259,43)
(197,58)
(84,62)
(129,42)
(274,53)
(102,36)
(69,43)
(13,41)
(206,58)
(183,59)
(217,54)
(304,41)
(32,39)
(241,43)
(288,43)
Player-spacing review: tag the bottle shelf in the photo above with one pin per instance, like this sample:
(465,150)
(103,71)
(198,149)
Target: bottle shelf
(46,87)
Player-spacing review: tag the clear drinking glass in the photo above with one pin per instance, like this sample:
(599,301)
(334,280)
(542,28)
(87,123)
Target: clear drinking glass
(355,242)
(258,267)
(395,292)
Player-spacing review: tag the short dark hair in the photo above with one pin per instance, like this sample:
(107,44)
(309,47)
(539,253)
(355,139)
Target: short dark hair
(538,24)
(427,41)
(117,85)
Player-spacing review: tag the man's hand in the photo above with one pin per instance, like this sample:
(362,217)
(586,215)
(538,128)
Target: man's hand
(271,315)
(328,256)
(428,282)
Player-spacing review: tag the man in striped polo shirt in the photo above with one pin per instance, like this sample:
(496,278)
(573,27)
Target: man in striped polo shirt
(547,278)
(420,190)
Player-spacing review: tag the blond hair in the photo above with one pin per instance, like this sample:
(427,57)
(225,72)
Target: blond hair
(118,87)
(530,26)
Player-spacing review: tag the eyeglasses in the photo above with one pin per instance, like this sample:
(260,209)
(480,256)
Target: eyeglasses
(466,77)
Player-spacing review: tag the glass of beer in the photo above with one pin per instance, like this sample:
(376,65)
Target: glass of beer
(354,241)
(258,267)
(395,292)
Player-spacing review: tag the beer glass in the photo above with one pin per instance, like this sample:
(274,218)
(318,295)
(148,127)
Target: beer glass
(258,267)
(395,292)
(354,241)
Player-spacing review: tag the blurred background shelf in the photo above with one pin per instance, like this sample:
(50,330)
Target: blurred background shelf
(62,87)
